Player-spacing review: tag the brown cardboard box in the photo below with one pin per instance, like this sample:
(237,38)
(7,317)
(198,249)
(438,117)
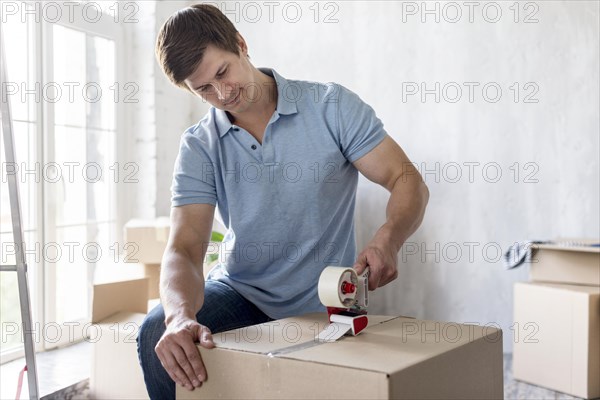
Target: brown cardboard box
(145,240)
(152,272)
(122,271)
(118,311)
(395,357)
(558,342)
(579,265)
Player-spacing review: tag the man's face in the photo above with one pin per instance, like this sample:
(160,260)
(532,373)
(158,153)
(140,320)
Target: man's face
(224,79)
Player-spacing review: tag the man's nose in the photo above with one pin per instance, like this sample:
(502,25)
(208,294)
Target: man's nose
(224,90)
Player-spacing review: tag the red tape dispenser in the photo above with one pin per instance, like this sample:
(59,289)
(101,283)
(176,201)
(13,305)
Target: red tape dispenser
(346,296)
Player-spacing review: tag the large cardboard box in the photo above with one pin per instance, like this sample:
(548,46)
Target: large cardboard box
(118,311)
(579,265)
(558,342)
(395,357)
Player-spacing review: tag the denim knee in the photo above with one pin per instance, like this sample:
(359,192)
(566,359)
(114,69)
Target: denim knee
(152,329)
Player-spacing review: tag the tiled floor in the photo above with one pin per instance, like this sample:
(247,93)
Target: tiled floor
(64,373)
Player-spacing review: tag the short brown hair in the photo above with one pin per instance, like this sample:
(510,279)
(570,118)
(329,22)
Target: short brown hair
(183,38)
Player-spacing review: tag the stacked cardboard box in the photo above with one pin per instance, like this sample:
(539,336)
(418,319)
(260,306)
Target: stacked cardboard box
(118,311)
(122,296)
(557,320)
(394,357)
(145,243)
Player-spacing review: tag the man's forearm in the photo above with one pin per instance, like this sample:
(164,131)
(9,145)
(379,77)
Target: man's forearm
(181,286)
(405,210)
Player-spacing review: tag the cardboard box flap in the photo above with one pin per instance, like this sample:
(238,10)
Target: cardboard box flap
(111,298)
(380,319)
(275,336)
(396,344)
(387,345)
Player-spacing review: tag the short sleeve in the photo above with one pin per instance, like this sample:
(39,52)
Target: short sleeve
(359,129)
(194,174)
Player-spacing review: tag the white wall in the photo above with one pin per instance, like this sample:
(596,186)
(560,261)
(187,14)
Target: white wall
(157,120)
(373,52)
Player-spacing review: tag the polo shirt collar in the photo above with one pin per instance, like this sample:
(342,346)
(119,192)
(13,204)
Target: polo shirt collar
(285,106)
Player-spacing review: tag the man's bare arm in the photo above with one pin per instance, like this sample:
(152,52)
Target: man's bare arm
(388,165)
(182,279)
(182,294)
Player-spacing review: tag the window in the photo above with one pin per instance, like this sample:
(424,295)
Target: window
(21,74)
(62,82)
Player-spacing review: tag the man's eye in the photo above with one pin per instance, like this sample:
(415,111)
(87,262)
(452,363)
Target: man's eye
(209,88)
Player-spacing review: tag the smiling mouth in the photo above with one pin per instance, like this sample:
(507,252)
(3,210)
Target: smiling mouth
(232,100)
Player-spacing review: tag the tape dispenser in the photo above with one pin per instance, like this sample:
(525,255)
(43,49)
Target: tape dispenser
(346,296)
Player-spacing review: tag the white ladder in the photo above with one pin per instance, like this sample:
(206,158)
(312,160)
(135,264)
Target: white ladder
(15,211)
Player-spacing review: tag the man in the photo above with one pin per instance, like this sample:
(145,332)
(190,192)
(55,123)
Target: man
(280,160)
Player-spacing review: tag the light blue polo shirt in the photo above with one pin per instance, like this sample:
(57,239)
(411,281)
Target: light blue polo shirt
(288,203)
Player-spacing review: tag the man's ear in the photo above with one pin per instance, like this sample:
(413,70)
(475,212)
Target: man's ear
(242,44)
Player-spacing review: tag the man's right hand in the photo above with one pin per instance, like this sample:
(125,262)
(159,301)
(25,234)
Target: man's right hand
(179,355)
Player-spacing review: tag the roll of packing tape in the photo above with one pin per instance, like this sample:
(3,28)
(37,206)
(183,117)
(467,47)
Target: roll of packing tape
(337,287)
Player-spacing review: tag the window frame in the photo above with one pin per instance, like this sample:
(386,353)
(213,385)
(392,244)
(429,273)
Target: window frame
(43,287)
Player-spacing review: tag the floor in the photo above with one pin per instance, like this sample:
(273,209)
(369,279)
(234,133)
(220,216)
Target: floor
(64,374)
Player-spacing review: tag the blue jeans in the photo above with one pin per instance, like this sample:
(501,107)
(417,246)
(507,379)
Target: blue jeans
(223,309)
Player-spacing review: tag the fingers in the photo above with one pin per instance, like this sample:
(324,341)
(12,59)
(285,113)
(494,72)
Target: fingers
(206,339)
(170,360)
(381,270)
(365,259)
(361,263)
(180,356)
(192,363)
(374,277)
